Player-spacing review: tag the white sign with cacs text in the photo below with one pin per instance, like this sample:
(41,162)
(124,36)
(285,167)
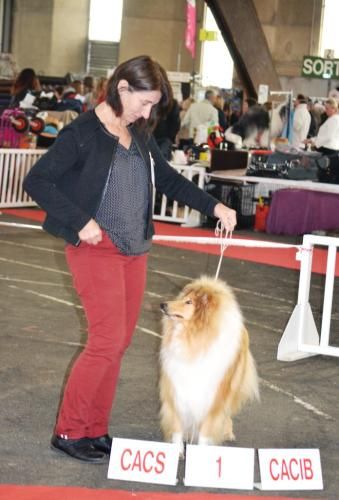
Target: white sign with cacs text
(144,461)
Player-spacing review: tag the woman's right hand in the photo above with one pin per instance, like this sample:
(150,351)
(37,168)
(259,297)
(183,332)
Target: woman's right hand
(91,233)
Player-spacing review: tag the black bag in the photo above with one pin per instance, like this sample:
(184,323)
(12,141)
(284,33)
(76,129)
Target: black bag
(46,103)
(274,165)
(297,166)
(329,170)
(304,168)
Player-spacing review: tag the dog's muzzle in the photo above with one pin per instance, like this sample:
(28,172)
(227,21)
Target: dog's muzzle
(164,309)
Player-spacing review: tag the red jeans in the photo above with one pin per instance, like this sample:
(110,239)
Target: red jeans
(111,287)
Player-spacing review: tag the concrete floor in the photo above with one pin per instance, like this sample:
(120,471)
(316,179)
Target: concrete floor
(42,328)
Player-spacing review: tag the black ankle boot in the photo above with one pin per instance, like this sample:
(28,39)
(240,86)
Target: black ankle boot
(102,443)
(79,449)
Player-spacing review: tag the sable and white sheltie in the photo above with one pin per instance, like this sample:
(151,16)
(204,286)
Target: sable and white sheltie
(206,368)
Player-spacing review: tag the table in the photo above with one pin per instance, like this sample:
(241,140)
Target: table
(301,211)
(240,176)
(297,207)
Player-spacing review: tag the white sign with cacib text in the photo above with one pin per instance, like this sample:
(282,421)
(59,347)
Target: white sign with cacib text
(219,467)
(143,461)
(290,469)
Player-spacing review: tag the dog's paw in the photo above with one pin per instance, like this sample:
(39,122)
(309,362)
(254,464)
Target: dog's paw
(205,441)
(177,438)
(229,436)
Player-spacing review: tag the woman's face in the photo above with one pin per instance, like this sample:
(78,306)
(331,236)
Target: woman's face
(330,111)
(137,103)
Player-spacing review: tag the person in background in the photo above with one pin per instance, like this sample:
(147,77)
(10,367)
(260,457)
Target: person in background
(97,95)
(101,89)
(334,93)
(59,92)
(227,113)
(201,113)
(312,132)
(25,83)
(232,115)
(166,130)
(268,105)
(327,139)
(79,90)
(319,113)
(219,106)
(88,82)
(301,121)
(235,115)
(96,185)
(66,99)
(184,141)
(247,104)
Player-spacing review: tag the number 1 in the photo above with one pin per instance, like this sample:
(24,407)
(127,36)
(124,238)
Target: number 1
(219,468)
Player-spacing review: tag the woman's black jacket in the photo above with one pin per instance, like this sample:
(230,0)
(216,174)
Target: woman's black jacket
(68,181)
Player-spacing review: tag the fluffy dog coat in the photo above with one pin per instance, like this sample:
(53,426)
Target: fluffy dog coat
(206,368)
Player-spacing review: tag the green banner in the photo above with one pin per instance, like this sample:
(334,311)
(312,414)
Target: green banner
(317,67)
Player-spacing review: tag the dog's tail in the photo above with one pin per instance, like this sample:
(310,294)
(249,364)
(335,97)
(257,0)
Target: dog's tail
(251,381)
(244,383)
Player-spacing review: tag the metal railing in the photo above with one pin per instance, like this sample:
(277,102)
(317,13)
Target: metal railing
(170,211)
(16,163)
(14,166)
(300,338)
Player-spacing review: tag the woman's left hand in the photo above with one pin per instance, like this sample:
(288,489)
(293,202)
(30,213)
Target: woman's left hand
(227,215)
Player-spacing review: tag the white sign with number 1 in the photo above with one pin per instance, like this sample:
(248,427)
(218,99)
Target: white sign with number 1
(219,467)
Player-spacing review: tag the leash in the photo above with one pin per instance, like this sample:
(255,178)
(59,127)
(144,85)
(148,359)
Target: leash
(225,238)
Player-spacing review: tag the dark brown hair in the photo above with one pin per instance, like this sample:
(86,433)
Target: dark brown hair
(142,74)
(26,80)
(301,98)
(251,101)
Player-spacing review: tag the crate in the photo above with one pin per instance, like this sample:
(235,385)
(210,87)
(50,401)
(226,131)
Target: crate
(240,197)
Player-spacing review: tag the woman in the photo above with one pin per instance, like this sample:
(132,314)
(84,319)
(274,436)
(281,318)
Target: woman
(95,184)
(327,139)
(26,82)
